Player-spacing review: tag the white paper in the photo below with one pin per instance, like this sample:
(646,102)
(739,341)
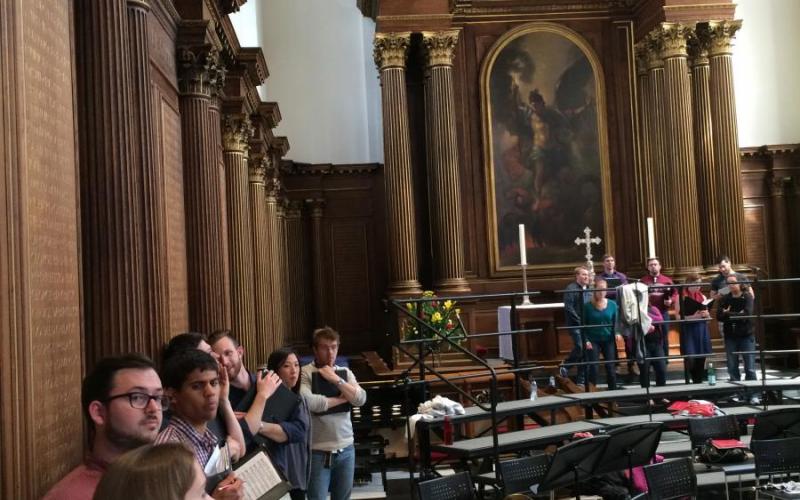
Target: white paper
(259,476)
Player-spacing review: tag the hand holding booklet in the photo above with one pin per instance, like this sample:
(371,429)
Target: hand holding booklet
(262,480)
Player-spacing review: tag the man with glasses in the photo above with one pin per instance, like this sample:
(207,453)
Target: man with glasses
(122,401)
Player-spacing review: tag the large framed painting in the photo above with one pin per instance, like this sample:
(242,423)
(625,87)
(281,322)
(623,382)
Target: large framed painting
(546,154)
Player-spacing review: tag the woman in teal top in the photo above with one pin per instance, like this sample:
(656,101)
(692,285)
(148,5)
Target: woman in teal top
(600,339)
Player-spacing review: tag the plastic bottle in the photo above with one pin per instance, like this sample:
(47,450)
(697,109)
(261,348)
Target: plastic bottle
(712,374)
(552,382)
(447,430)
(534,389)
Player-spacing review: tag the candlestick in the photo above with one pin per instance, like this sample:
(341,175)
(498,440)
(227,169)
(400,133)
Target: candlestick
(651,240)
(523,251)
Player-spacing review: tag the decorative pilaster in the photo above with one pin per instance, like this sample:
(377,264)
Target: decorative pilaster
(262,285)
(781,224)
(273,187)
(681,179)
(646,167)
(283,275)
(236,132)
(295,249)
(726,138)
(154,237)
(658,148)
(390,57)
(704,148)
(111,185)
(442,149)
(317,207)
(209,301)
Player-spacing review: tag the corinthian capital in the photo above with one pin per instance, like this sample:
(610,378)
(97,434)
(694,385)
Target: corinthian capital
(674,37)
(439,47)
(653,45)
(236,133)
(391,49)
(640,51)
(698,50)
(257,170)
(719,35)
(199,70)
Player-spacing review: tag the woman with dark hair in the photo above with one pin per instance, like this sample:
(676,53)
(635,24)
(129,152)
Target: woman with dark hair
(295,452)
(695,338)
(156,472)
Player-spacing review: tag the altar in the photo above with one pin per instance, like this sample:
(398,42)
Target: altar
(539,346)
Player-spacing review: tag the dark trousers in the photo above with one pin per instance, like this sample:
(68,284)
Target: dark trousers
(695,369)
(608,348)
(653,349)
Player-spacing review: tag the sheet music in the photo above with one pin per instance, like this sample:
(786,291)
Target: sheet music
(259,476)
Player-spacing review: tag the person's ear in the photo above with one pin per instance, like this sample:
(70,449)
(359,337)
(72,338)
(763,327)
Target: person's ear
(98,413)
(240,351)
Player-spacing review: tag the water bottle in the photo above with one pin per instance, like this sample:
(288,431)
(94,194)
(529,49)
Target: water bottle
(712,374)
(552,382)
(534,389)
(447,430)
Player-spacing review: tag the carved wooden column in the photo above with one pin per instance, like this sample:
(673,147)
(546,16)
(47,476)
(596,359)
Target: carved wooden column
(263,280)
(316,209)
(111,184)
(209,303)
(283,275)
(681,179)
(295,265)
(273,188)
(646,168)
(156,284)
(658,149)
(236,132)
(781,224)
(390,57)
(726,139)
(442,149)
(704,149)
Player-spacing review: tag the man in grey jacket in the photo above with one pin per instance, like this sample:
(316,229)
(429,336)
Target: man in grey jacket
(332,453)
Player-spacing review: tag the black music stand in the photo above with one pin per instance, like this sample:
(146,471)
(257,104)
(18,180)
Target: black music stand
(573,463)
(776,424)
(630,446)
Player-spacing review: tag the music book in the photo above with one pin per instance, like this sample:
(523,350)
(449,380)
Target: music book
(727,444)
(262,480)
(319,385)
(612,282)
(691,306)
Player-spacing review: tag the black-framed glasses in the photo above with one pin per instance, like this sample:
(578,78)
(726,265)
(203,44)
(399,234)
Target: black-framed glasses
(140,400)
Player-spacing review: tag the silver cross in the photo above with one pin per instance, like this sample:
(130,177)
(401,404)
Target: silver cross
(588,241)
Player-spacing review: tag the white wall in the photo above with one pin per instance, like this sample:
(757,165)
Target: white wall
(319,55)
(766,71)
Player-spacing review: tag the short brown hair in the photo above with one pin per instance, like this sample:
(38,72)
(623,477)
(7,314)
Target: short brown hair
(155,472)
(579,269)
(325,333)
(693,277)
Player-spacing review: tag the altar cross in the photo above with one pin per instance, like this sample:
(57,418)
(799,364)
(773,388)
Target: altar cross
(588,241)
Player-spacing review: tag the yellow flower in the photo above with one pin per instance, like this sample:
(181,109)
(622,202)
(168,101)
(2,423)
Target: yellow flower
(427,293)
(448,304)
(436,317)
(458,311)
(410,307)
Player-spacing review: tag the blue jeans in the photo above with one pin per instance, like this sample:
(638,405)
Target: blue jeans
(734,344)
(576,355)
(338,477)
(608,348)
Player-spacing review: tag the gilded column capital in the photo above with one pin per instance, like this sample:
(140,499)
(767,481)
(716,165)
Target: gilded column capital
(200,70)
(272,186)
(236,133)
(439,47)
(257,170)
(673,38)
(640,53)
(653,45)
(698,50)
(720,36)
(295,209)
(391,49)
(317,206)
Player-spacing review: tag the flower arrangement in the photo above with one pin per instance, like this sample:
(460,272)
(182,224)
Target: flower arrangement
(440,315)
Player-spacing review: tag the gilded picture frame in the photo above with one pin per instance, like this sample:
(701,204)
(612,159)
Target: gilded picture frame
(545,149)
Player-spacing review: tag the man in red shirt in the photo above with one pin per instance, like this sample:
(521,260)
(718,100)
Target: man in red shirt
(661,295)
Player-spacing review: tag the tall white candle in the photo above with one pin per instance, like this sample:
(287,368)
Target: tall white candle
(651,239)
(523,254)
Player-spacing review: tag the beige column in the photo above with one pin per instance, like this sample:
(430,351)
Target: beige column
(209,305)
(236,132)
(726,139)
(390,57)
(704,149)
(273,188)
(646,181)
(283,275)
(658,149)
(316,209)
(261,259)
(681,179)
(295,266)
(442,149)
(110,197)
(154,234)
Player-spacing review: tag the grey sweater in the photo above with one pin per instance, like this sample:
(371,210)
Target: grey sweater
(333,431)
